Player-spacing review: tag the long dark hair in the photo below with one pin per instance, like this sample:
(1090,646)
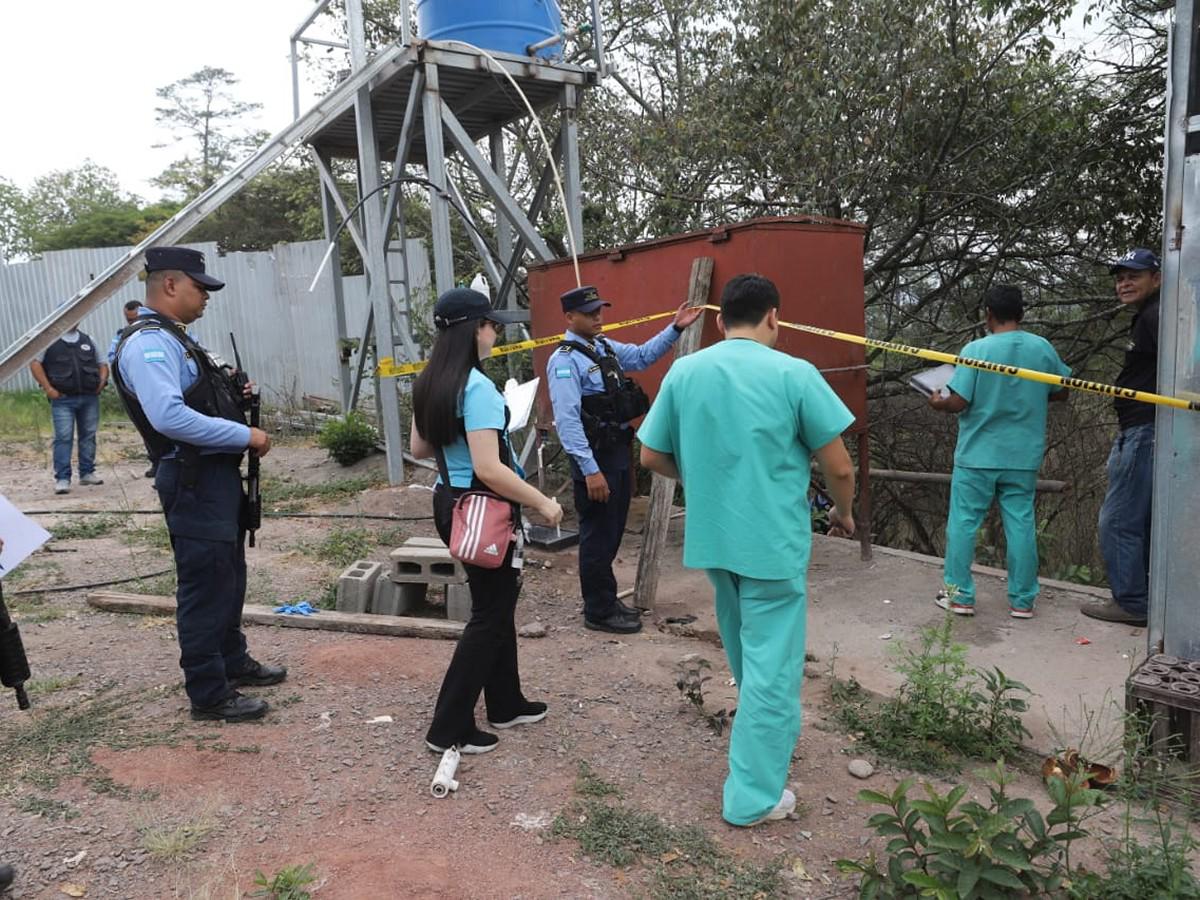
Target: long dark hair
(441,383)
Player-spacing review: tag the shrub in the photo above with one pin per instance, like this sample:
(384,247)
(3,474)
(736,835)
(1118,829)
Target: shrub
(940,847)
(348,440)
(944,710)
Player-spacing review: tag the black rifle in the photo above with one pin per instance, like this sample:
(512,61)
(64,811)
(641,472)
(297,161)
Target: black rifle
(254,407)
(14,667)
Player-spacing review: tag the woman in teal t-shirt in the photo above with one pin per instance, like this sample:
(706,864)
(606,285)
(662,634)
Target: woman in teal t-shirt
(458,412)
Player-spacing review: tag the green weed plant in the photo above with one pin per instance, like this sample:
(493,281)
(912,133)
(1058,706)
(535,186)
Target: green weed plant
(944,711)
(944,848)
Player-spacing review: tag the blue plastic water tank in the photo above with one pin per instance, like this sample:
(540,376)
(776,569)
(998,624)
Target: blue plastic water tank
(505,25)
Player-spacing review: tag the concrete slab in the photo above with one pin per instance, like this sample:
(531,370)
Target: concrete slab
(860,612)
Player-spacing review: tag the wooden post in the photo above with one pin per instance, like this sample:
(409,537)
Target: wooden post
(864,495)
(662,490)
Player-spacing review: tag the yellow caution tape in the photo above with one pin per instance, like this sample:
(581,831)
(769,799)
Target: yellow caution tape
(1077,384)
(388,368)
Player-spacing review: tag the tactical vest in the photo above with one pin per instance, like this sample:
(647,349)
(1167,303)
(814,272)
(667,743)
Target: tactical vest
(623,400)
(72,368)
(214,394)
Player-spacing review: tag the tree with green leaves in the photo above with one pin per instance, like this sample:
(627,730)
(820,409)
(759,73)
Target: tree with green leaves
(202,109)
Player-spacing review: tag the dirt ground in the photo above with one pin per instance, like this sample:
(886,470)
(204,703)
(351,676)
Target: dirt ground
(317,782)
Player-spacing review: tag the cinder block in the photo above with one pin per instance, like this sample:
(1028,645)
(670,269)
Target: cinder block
(392,599)
(425,565)
(424,542)
(458,602)
(356,585)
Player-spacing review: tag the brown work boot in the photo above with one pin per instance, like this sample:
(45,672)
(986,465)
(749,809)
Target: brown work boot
(1111,611)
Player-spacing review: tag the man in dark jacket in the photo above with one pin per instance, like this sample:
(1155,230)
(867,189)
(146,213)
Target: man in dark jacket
(72,373)
(1125,515)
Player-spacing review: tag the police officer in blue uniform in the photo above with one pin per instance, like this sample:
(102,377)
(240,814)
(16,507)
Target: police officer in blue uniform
(131,314)
(593,405)
(189,411)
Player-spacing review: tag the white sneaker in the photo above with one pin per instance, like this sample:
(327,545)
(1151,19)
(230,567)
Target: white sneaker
(91,478)
(959,609)
(786,804)
(62,487)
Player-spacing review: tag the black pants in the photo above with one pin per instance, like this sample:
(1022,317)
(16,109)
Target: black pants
(485,659)
(204,519)
(601,526)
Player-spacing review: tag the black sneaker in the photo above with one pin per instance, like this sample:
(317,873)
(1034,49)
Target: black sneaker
(615,622)
(531,712)
(258,675)
(234,708)
(7,874)
(478,742)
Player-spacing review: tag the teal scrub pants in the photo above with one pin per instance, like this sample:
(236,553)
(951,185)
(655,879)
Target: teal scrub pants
(762,628)
(971,494)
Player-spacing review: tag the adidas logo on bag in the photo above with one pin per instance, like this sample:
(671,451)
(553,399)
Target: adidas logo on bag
(491,550)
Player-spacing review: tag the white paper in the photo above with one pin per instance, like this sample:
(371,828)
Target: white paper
(932,381)
(519,398)
(21,536)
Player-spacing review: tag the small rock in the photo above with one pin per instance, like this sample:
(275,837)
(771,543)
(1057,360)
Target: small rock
(532,630)
(830,798)
(860,768)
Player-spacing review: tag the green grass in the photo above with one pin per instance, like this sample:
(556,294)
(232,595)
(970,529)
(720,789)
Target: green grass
(285,492)
(33,609)
(343,546)
(153,535)
(174,842)
(26,414)
(52,743)
(163,585)
(286,884)
(47,686)
(47,808)
(681,861)
(87,528)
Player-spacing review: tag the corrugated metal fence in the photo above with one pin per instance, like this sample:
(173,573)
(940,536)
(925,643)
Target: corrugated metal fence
(286,335)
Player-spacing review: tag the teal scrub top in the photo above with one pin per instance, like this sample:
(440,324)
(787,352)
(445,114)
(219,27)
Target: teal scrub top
(481,407)
(1004,427)
(742,421)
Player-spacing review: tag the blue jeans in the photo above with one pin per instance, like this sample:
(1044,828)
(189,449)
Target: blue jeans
(1125,518)
(68,412)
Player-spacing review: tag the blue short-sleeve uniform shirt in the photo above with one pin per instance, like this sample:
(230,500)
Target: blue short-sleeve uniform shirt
(481,407)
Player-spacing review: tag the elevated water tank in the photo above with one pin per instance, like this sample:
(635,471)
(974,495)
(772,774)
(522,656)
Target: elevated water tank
(505,25)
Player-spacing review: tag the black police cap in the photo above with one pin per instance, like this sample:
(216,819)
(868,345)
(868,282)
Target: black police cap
(182,259)
(582,299)
(463,305)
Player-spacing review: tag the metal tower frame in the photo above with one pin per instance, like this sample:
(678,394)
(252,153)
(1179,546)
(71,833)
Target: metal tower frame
(1175,558)
(399,102)
(439,92)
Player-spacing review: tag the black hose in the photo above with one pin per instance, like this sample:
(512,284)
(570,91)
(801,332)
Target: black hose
(94,584)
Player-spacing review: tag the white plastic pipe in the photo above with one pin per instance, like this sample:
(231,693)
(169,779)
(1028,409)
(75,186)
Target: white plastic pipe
(443,779)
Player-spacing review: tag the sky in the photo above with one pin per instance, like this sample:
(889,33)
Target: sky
(77,77)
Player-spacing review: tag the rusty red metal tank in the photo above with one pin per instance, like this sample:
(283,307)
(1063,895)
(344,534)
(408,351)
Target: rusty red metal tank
(816,263)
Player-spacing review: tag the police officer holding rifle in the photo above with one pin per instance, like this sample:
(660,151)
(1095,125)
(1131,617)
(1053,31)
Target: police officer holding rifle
(190,408)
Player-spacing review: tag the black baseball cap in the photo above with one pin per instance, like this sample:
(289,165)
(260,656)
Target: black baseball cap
(584,299)
(464,305)
(182,259)
(1138,259)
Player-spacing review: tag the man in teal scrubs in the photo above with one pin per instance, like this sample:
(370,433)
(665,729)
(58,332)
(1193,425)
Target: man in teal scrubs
(1001,440)
(738,424)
